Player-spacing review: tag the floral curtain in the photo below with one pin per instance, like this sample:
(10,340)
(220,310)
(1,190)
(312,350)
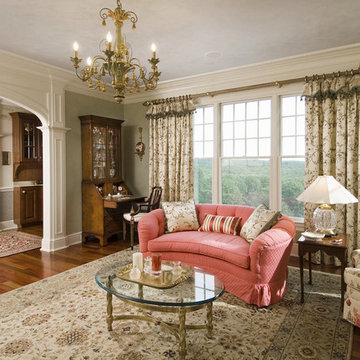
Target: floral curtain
(332,147)
(171,148)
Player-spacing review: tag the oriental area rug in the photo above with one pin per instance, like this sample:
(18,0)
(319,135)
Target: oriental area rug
(64,317)
(14,242)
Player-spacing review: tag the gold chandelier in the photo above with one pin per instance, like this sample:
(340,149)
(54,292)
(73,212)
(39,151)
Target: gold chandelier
(126,72)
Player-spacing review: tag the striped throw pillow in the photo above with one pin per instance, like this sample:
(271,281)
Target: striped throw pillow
(221,224)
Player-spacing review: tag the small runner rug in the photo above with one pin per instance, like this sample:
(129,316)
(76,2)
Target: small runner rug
(14,242)
(64,317)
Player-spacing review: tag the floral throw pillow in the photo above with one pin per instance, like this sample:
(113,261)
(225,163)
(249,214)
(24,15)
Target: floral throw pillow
(180,215)
(221,224)
(259,221)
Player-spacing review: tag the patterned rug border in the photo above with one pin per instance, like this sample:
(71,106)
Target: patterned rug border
(22,236)
(12,301)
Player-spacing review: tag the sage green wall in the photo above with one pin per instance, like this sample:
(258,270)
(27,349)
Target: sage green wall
(136,172)
(76,105)
(6,206)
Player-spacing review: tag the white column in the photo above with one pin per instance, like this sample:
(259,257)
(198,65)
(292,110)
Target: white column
(54,172)
(54,179)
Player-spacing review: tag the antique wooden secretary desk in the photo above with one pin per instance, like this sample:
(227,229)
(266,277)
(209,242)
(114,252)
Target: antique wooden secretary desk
(105,196)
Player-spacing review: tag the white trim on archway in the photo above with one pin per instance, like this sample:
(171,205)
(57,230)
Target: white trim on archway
(42,95)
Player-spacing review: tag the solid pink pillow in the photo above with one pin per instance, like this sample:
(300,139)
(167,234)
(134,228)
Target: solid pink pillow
(221,224)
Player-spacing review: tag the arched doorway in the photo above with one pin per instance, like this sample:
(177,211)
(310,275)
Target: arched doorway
(47,103)
(20,169)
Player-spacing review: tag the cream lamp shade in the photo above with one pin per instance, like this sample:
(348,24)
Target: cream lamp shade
(326,191)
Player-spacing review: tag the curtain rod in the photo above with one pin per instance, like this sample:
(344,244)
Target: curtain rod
(278,84)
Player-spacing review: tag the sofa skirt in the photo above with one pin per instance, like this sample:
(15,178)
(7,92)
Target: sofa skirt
(238,281)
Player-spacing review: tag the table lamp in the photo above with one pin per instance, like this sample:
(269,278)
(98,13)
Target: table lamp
(326,191)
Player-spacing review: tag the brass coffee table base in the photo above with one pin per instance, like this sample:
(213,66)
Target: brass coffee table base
(178,330)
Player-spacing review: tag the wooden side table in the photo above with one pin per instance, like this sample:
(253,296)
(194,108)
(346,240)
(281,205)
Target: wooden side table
(311,246)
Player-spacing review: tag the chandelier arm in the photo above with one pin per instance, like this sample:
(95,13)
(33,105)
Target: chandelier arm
(131,16)
(82,75)
(103,41)
(104,13)
(99,57)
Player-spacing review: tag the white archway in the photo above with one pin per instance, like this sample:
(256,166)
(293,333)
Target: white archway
(43,95)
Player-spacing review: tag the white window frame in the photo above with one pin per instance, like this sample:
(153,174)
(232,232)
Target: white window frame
(297,220)
(274,94)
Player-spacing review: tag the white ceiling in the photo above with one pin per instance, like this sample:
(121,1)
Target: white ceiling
(241,31)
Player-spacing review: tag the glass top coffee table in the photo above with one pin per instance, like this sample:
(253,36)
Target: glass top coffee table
(196,290)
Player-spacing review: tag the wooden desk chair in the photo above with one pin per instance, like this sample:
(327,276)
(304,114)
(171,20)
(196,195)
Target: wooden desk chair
(133,217)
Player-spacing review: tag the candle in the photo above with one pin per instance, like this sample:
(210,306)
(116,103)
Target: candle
(138,261)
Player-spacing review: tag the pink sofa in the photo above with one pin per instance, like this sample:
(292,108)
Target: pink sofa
(256,272)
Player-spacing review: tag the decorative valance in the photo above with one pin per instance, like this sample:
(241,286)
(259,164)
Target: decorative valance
(331,88)
(170,107)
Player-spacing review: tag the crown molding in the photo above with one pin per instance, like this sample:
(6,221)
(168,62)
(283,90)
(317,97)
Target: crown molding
(317,62)
(45,72)
(330,60)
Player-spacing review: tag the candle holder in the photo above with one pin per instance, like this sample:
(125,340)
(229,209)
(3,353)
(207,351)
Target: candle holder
(147,265)
(155,265)
(135,273)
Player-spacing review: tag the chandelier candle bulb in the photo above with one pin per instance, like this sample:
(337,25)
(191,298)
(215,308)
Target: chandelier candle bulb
(153,48)
(109,40)
(138,261)
(76,48)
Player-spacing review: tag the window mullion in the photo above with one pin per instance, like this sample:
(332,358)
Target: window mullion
(275,185)
(216,164)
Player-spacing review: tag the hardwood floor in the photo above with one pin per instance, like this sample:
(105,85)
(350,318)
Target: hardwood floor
(33,229)
(25,268)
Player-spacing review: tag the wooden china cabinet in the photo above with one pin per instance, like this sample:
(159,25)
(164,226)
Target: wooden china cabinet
(101,175)
(27,167)
(27,147)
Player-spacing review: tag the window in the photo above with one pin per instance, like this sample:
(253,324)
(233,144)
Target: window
(246,151)
(203,153)
(292,154)
(251,151)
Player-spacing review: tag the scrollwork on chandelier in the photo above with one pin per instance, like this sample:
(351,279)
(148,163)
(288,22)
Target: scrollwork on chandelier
(126,72)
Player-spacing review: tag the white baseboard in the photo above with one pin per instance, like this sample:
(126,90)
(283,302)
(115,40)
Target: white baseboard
(7,225)
(50,245)
(75,238)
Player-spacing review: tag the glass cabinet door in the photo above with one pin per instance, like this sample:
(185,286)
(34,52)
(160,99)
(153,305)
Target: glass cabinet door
(114,152)
(30,143)
(99,152)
